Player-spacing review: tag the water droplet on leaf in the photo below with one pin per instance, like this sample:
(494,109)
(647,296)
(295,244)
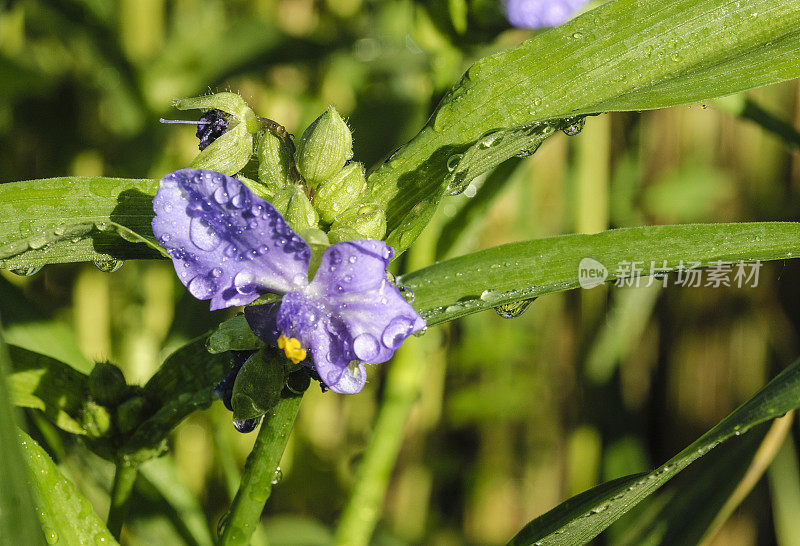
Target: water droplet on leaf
(513,310)
(26,271)
(108,265)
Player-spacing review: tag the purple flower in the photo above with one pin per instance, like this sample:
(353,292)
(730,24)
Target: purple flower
(541,13)
(230,246)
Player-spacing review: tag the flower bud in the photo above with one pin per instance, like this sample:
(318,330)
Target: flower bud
(324,148)
(107,384)
(130,414)
(336,194)
(274,162)
(295,207)
(230,150)
(368,220)
(95,419)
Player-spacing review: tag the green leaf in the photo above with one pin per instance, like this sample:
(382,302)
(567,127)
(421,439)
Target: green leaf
(233,334)
(67,517)
(17,509)
(623,55)
(686,510)
(73,219)
(189,369)
(580,519)
(519,271)
(38,381)
(258,385)
(183,384)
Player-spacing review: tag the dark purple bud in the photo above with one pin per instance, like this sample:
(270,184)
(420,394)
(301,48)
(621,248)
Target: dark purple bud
(225,388)
(210,127)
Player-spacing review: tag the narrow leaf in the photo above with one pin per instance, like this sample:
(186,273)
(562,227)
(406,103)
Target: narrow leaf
(524,270)
(67,517)
(580,519)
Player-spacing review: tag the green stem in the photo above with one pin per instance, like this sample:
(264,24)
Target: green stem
(260,472)
(366,499)
(121,490)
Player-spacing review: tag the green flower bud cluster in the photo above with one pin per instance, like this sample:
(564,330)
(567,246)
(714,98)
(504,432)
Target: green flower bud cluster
(314,185)
(113,405)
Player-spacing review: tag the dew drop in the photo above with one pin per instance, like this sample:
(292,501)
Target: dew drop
(26,271)
(221,196)
(366,347)
(396,332)
(407,293)
(216,272)
(575,126)
(491,296)
(422,332)
(247,425)
(223,521)
(108,265)
(202,235)
(201,287)
(530,151)
(513,310)
(50,535)
(277,476)
(262,249)
(243,282)
(453,161)
(230,251)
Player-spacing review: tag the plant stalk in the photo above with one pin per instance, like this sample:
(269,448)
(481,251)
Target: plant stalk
(261,472)
(124,478)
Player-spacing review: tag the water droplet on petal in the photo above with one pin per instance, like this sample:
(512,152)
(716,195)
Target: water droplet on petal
(201,287)
(366,347)
(221,196)
(202,234)
(263,249)
(243,282)
(396,332)
(216,272)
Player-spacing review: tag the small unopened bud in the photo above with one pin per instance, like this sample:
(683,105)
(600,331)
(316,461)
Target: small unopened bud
(107,384)
(368,220)
(130,414)
(274,162)
(95,419)
(336,194)
(324,148)
(295,207)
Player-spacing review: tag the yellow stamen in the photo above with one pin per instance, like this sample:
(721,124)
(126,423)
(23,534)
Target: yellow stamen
(291,346)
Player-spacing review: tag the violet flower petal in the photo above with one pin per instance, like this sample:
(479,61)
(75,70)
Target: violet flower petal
(349,314)
(227,244)
(541,13)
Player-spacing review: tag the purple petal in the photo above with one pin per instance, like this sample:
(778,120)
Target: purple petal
(227,244)
(541,13)
(349,314)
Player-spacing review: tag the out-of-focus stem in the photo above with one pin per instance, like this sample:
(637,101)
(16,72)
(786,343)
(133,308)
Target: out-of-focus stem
(260,473)
(124,478)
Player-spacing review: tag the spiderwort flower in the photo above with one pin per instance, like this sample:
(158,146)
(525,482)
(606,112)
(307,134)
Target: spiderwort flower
(541,13)
(230,246)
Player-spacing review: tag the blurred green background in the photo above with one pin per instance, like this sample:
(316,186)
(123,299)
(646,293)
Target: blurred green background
(514,415)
